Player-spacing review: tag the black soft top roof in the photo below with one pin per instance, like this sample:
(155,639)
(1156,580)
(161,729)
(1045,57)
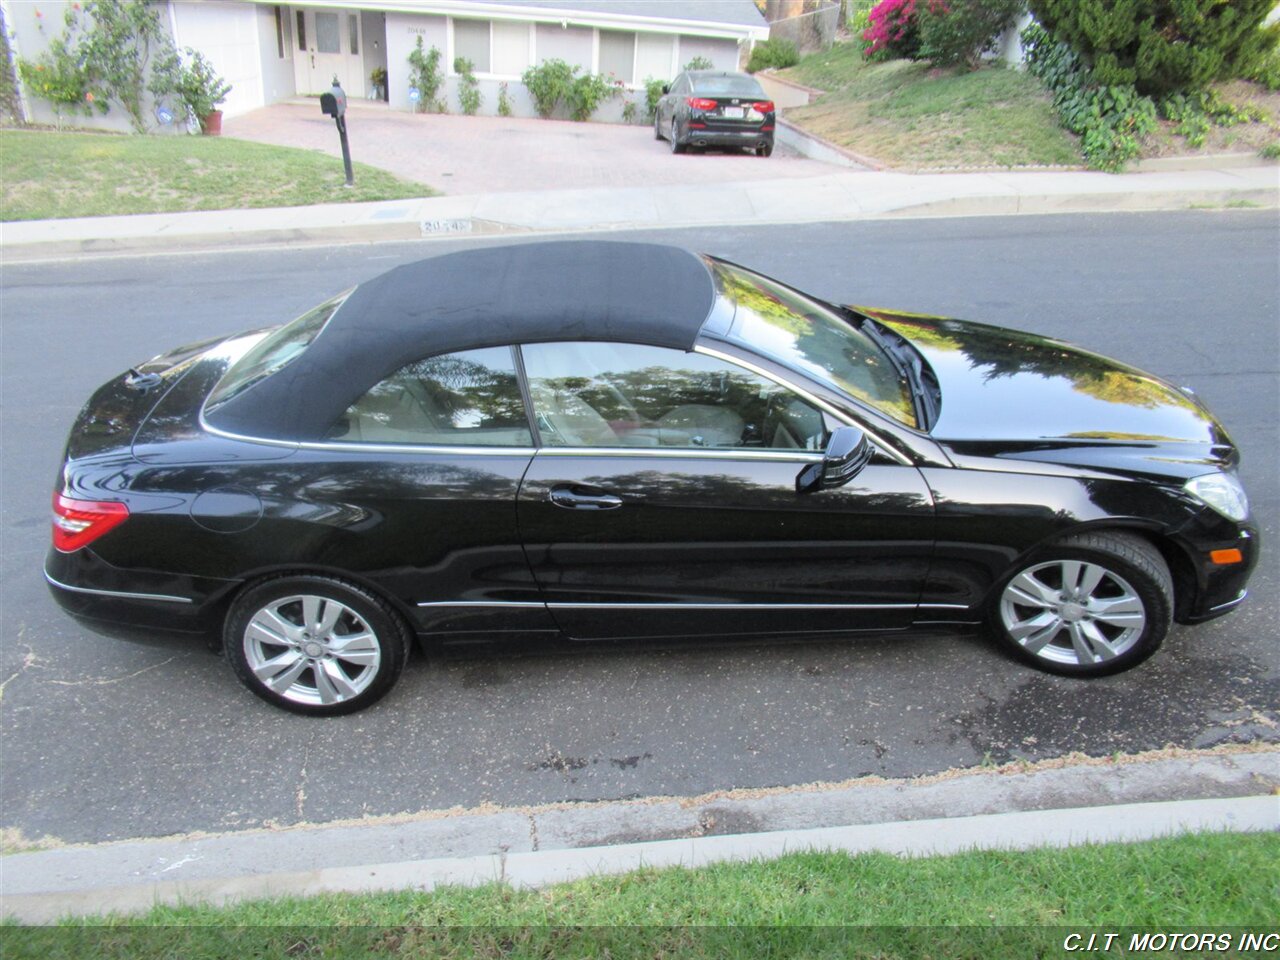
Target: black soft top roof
(492,296)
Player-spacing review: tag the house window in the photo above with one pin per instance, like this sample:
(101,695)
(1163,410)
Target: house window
(302,32)
(353,30)
(510,48)
(653,56)
(328,33)
(618,54)
(471,40)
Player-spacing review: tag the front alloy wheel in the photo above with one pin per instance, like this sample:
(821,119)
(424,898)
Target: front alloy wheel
(1096,604)
(314,645)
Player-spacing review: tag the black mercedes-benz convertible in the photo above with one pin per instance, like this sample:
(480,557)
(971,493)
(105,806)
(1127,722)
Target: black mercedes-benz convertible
(620,440)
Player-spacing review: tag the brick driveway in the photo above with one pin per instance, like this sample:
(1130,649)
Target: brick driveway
(469,155)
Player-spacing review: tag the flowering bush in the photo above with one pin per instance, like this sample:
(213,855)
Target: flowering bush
(893,31)
(961,31)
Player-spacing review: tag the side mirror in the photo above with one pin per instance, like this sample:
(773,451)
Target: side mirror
(666,88)
(848,451)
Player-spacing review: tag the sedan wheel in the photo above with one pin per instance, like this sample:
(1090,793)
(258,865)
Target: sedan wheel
(1096,604)
(315,645)
(676,145)
(657,125)
(765,151)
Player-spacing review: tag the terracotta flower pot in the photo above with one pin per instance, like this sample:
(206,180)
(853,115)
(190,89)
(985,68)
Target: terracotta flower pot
(211,124)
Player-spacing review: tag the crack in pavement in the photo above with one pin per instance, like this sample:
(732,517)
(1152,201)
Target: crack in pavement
(106,681)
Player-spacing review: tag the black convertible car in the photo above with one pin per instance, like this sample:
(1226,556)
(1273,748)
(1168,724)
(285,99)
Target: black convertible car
(621,440)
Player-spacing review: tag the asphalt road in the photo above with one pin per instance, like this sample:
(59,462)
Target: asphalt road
(105,739)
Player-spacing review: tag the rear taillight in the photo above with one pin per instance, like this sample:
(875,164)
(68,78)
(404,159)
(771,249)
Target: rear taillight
(764,106)
(77,523)
(701,103)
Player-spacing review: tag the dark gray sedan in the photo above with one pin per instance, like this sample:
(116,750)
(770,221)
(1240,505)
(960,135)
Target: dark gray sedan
(715,108)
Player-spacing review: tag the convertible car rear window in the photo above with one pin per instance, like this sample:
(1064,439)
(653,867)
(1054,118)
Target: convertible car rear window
(274,351)
(470,398)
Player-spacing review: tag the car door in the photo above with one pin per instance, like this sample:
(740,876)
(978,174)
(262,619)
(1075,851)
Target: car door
(414,488)
(663,502)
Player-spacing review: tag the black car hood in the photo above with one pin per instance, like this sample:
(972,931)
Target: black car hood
(1012,390)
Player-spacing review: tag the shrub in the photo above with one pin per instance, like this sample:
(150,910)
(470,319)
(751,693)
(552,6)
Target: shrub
(773,53)
(699,63)
(859,24)
(652,94)
(1162,46)
(549,84)
(504,101)
(961,31)
(193,81)
(1109,119)
(469,95)
(116,50)
(588,92)
(426,77)
(894,31)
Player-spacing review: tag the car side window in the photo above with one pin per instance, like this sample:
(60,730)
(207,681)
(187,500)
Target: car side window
(470,398)
(678,87)
(630,395)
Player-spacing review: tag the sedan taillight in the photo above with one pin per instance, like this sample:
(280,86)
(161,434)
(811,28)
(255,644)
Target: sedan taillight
(77,523)
(764,106)
(700,103)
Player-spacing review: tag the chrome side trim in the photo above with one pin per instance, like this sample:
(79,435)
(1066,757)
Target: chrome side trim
(460,450)
(816,401)
(123,594)
(685,453)
(555,605)
(1230,603)
(483,603)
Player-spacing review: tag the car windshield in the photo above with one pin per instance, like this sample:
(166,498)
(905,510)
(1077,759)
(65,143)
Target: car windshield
(809,337)
(730,86)
(273,351)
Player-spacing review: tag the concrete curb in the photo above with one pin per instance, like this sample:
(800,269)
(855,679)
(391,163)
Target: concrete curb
(845,196)
(1057,803)
(1007,831)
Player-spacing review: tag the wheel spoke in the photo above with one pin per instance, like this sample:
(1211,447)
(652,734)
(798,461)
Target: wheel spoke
(274,628)
(311,607)
(1126,611)
(330,613)
(1084,653)
(332,683)
(1029,591)
(1090,576)
(280,673)
(359,648)
(1033,634)
(1103,650)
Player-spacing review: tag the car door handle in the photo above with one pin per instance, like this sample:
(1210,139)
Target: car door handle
(572,499)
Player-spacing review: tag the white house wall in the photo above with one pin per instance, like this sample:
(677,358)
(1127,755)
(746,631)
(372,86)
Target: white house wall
(403,31)
(226,33)
(723,54)
(277,72)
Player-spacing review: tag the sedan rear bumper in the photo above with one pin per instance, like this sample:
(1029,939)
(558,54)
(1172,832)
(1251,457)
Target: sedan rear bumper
(727,138)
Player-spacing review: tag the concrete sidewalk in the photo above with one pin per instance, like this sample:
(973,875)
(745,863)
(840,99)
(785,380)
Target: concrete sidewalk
(1054,804)
(832,197)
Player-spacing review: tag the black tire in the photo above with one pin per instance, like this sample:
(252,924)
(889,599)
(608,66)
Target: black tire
(676,145)
(657,125)
(1087,606)
(765,151)
(335,647)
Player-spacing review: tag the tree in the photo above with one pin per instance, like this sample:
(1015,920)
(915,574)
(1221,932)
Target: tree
(961,31)
(1162,46)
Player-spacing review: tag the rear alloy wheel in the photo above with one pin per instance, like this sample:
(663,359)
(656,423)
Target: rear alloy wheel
(1089,605)
(676,145)
(765,151)
(657,125)
(315,645)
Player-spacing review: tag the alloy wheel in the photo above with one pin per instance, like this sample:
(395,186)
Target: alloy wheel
(1072,612)
(312,650)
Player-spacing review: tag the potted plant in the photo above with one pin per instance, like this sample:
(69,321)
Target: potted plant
(196,85)
(378,82)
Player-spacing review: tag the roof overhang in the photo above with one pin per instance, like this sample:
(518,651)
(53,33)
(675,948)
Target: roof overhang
(569,17)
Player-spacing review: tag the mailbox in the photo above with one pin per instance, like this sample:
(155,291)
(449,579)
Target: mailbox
(334,103)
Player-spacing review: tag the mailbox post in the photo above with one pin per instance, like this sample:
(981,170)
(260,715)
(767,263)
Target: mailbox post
(334,104)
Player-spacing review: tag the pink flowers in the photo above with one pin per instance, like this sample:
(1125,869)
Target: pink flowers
(893,21)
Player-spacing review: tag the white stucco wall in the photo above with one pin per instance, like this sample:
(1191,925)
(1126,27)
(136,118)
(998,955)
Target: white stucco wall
(226,32)
(403,31)
(277,73)
(723,54)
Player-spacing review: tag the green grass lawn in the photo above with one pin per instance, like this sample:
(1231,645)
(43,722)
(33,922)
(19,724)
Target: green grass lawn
(907,115)
(980,904)
(48,175)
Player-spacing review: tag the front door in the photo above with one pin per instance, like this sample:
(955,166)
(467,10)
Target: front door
(663,502)
(330,43)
